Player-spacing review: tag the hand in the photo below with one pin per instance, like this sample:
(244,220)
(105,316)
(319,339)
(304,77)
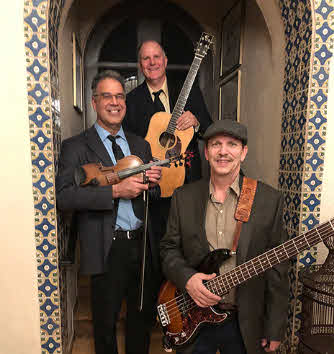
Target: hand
(186,120)
(271,346)
(200,294)
(129,188)
(154,175)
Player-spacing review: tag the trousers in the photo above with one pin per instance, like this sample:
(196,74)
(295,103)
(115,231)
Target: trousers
(121,281)
(226,338)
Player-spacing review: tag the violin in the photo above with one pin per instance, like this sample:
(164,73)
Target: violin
(98,175)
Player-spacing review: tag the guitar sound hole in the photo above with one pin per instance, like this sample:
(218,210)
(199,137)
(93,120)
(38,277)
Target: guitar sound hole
(167,140)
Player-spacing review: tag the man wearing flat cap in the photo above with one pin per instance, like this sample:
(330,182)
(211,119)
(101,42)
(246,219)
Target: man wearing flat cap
(206,216)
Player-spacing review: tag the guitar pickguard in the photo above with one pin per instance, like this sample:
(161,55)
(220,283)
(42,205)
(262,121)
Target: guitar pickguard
(192,322)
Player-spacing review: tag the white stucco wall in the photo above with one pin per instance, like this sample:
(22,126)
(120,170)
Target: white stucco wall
(262,88)
(19,320)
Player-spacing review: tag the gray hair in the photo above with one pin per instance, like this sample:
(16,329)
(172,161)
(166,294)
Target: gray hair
(107,74)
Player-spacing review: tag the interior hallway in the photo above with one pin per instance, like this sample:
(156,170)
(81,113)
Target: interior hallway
(83,341)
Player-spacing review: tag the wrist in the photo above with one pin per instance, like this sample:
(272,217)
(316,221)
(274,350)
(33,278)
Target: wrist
(115,191)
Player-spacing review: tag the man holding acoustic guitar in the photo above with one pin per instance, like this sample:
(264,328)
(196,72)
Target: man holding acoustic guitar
(188,115)
(236,218)
(109,218)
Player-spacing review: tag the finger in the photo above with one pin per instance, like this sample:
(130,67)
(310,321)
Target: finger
(153,173)
(136,178)
(200,303)
(207,276)
(210,296)
(263,342)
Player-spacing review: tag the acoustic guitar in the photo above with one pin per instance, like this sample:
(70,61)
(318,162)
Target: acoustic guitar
(162,135)
(181,317)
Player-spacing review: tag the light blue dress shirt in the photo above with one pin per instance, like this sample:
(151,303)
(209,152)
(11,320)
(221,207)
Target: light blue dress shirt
(126,218)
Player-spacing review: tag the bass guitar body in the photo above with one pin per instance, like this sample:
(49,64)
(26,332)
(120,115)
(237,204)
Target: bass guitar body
(185,322)
(164,145)
(179,316)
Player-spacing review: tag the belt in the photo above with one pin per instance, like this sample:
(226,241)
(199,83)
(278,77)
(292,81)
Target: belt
(128,235)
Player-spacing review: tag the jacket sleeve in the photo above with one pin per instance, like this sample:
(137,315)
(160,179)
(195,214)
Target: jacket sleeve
(198,108)
(174,265)
(71,197)
(277,283)
(154,193)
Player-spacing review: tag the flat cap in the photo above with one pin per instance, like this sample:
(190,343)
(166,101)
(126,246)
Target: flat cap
(228,127)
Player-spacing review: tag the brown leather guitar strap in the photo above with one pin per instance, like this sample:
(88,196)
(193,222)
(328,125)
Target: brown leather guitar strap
(244,207)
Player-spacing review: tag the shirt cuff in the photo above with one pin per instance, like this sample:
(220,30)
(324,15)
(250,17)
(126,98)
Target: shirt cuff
(196,129)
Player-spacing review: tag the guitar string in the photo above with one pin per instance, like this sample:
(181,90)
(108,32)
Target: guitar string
(185,91)
(290,242)
(256,261)
(187,302)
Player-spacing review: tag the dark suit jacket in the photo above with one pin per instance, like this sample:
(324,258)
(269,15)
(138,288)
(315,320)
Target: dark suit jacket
(140,109)
(262,301)
(95,214)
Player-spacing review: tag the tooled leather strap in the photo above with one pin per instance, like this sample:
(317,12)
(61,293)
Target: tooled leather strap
(244,207)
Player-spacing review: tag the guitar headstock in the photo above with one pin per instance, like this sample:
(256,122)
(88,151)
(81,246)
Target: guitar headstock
(203,45)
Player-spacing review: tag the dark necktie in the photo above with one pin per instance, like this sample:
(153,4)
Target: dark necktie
(158,106)
(116,149)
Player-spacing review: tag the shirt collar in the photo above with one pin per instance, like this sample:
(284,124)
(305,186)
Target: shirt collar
(233,187)
(164,88)
(103,133)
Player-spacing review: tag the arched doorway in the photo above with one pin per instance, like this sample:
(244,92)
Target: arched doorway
(297,174)
(167,23)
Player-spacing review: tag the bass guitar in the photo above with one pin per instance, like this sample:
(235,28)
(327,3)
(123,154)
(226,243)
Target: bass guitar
(165,141)
(179,315)
(97,174)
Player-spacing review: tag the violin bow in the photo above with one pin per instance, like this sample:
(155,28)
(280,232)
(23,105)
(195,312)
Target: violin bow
(144,246)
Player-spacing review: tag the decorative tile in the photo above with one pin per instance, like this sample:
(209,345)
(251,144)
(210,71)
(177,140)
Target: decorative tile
(303,125)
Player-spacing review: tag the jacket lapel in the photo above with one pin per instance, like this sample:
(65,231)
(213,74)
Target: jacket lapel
(134,149)
(148,102)
(201,212)
(173,93)
(94,142)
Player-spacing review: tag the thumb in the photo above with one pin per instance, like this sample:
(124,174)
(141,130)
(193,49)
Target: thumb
(208,276)
(263,342)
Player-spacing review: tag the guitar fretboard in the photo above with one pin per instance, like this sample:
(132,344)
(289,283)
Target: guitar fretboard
(225,282)
(183,96)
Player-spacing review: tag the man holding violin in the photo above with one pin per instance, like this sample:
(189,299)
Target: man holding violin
(109,220)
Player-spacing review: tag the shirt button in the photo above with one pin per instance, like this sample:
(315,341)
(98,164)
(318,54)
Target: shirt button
(220,232)
(221,212)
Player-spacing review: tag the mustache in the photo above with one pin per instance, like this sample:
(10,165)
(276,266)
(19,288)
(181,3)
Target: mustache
(223,156)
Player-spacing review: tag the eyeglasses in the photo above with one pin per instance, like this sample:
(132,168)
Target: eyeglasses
(108,96)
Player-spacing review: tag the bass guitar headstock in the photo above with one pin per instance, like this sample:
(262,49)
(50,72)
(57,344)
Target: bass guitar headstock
(203,45)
